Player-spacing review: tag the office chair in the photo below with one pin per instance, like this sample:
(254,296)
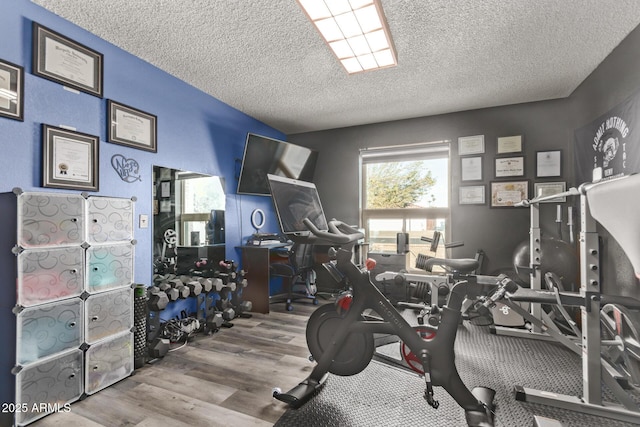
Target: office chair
(298,275)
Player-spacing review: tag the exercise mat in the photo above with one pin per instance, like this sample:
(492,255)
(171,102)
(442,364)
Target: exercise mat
(386,396)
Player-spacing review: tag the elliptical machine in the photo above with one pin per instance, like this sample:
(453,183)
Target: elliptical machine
(341,338)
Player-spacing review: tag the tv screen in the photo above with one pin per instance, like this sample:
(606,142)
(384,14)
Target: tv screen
(294,201)
(263,156)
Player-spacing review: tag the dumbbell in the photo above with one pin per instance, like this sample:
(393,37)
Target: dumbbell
(172,293)
(183,291)
(158,348)
(244,307)
(195,288)
(157,300)
(214,322)
(218,284)
(207,284)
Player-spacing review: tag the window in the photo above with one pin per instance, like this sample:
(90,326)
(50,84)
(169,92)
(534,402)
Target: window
(198,196)
(405,189)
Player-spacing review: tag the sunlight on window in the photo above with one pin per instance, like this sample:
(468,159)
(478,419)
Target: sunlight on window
(407,184)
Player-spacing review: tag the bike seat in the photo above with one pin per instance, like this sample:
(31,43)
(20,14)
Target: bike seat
(460,265)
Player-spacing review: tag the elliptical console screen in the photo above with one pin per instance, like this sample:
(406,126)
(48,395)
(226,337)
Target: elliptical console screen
(294,201)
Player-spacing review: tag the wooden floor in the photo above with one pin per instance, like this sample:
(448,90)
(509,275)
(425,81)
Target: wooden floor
(225,379)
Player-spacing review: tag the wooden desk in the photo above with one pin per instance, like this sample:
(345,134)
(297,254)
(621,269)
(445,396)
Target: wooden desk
(256,261)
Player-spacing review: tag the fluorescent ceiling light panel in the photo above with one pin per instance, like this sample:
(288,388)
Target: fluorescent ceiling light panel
(316,9)
(342,49)
(351,65)
(368,61)
(377,40)
(385,58)
(356,31)
(337,7)
(329,29)
(359,45)
(357,4)
(368,19)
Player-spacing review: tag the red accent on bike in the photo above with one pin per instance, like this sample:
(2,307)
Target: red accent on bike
(411,359)
(370,264)
(343,303)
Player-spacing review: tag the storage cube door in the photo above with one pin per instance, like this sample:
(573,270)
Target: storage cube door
(47,220)
(47,275)
(108,362)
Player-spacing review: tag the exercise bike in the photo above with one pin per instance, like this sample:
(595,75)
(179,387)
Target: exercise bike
(341,336)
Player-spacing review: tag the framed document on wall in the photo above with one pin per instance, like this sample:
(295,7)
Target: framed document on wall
(70,159)
(131,127)
(62,60)
(11,90)
(509,144)
(471,168)
(470,145)
(507,194)
(548,163)
(509,166)
(471,195)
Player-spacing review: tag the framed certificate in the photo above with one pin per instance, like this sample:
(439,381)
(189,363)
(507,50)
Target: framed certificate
(131,127)
(60,59)
(510,144)
(11,90)
(509,166)
(471,168)
(548,163)
(70,159)
(544,189)
(472,195)
(471,145)
(507,194)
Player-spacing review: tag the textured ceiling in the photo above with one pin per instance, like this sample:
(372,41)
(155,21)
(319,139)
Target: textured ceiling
(264,58)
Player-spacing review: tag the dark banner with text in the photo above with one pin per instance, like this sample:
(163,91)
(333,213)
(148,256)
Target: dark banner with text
(610,145)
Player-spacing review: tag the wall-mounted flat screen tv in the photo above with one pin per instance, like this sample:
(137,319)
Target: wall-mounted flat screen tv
(263,156)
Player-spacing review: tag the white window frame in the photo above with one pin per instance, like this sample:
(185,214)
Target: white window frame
(439,149)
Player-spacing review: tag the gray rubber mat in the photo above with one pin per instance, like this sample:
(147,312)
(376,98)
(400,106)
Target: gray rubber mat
(386,396)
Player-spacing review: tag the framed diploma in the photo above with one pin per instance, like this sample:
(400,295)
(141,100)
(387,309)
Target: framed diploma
(131,127)
(544,189)
(11,90)
(59,59)
(509,166)
(510,144)
(472,195)
(507,194)
(70,159)
(471,145)
(548,163)
(471,168)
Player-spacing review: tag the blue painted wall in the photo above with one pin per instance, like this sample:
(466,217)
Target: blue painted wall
(195,131)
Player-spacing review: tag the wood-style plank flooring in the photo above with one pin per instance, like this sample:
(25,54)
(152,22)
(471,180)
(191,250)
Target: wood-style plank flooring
(225,379)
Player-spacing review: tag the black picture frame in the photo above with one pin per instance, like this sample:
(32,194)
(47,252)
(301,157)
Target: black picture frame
(62,60)
(70,159)
(505,194)
(548,163)
(509,167)
(472,195)
(471,169)
(509,145)
(131,127)
(11,90)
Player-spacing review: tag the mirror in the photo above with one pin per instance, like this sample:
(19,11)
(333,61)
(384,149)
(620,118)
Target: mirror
(188,217)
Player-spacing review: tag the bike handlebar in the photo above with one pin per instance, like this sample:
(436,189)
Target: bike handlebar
(339,232)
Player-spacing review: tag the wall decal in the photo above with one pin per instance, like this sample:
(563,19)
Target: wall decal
(127,169)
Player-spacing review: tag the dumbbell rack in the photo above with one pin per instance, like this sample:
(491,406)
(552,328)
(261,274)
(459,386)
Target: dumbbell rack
(72,316)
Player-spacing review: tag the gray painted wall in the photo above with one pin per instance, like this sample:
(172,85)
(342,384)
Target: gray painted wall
(544,125)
